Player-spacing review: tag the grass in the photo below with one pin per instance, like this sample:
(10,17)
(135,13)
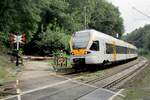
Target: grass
(139,89)
(7,70)
(147,55)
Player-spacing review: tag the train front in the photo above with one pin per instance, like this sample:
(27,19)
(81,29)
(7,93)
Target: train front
(79,47)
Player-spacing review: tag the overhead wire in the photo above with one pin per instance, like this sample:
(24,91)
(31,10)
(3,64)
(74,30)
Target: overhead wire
(139,11)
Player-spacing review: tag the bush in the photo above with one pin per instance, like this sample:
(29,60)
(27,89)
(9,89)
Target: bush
(48,43)
(3,42)
(142,51)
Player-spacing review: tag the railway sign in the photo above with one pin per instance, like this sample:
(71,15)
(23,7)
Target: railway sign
(61,60)
(17,39)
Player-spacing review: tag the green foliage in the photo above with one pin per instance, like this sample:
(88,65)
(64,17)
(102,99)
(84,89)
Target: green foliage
(99,14)
(53,41)
(3,42)
(18,16)
(142,51)
(140,37)
(48,43)
(147,40)
(106,18)
(50,23)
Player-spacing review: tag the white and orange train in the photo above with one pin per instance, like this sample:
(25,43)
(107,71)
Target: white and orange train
(93,47)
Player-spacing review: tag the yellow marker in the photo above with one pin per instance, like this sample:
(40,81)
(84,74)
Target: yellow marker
(129,46)
(17,82)
(17,87)
(114,51)
(70,42)
(18,91)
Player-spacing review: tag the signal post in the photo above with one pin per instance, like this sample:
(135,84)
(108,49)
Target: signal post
(17,39)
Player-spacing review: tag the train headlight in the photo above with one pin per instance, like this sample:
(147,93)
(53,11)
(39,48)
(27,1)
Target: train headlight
(87,52)
(72,53)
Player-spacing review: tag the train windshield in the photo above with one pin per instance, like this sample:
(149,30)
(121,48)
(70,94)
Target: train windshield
(80,40)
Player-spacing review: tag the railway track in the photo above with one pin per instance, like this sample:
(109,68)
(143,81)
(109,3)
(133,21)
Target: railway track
(117,78)
(107,80)
(108,75)
(115,82)
(110,81)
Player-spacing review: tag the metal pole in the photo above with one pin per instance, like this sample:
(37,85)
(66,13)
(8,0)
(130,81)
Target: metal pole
(17,56)
(66,61)
(85,17)
(17,44)
(17,59)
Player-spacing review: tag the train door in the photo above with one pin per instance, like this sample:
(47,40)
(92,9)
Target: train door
(102,51)
(109,52)
(95,48)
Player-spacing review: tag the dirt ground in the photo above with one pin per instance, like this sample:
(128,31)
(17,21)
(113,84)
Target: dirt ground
(33,69)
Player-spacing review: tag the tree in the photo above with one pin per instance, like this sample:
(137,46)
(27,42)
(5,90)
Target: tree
(106,18)
(140,37)
(46,19)
(18,16)
(99,15)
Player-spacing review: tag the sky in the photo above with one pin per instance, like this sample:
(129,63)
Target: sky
(132,18)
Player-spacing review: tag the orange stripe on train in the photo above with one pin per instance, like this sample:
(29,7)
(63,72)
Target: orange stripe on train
(79,52)
(114,51)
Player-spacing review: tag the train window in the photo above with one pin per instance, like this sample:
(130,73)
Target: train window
(118,49)
(95,46)
(109,48)
(121,50)
(132,51)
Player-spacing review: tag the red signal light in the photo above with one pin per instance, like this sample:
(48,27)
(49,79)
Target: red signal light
(23,35)
(23,38)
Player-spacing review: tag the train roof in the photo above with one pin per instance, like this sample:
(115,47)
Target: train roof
(107,37)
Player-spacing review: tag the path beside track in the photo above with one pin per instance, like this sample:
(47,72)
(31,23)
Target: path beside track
(36,82)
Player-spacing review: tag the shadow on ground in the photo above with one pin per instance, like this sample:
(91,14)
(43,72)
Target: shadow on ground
(94,68)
